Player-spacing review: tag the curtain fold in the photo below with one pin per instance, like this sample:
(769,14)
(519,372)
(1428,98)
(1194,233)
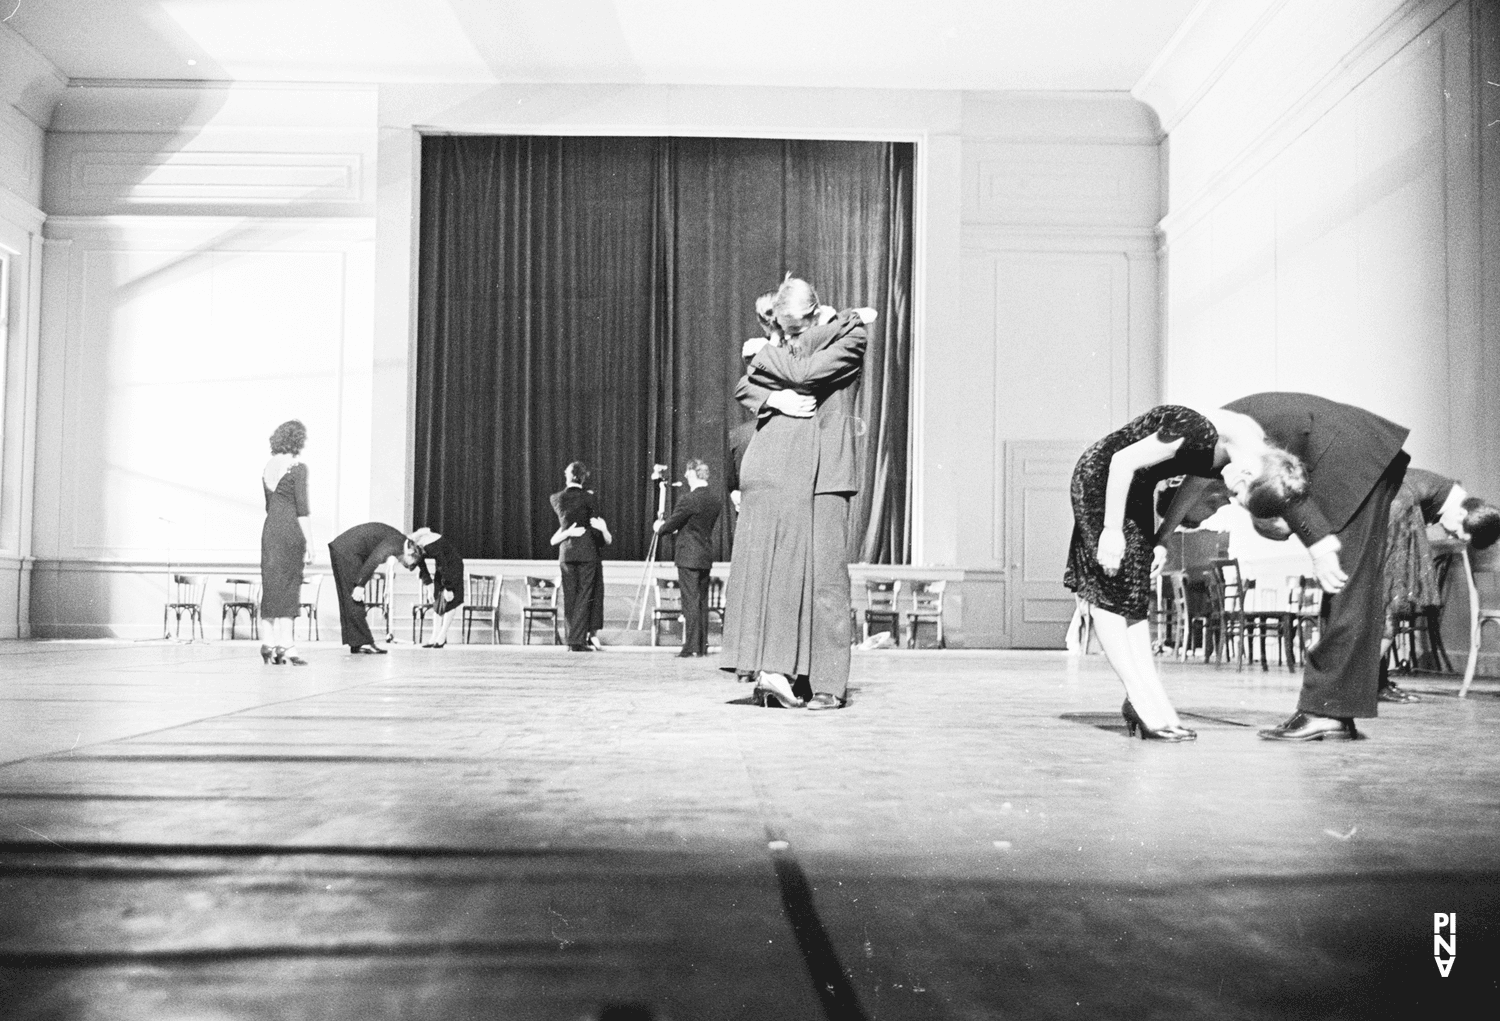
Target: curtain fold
(586,298)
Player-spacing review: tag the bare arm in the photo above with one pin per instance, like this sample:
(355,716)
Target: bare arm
(1122,468)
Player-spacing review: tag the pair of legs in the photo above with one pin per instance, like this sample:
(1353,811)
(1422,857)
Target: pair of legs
(1127,646)
(694,587)
(279,634)
(583,601)
(441,625)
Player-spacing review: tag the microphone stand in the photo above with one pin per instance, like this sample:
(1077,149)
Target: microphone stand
(662,485)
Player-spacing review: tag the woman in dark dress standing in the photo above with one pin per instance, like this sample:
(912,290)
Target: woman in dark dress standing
(446,579)
(283,541)
(1113,551)
(580,533)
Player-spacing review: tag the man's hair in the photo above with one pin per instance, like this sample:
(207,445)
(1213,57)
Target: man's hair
(796,303)
(577,472)
(698,467)
(1482,522)
(1282,482)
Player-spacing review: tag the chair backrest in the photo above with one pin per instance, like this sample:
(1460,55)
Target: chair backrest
(484,591)
(716,593)
(376,590)
(1307,597)
(927,596)
(541,594)
(188,589)
(881,594)
(1231,594)
(424,594)
(241,590)
(312,587)
(668,594)
(1484,586)
(1178,581)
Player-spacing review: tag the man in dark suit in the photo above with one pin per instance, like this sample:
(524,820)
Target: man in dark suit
(776,378)
(356,555)
(580,533)
(1355,465)
(692,521)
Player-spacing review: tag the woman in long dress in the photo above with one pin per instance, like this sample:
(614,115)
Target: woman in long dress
(770,598)
(283,542)
(1113,550)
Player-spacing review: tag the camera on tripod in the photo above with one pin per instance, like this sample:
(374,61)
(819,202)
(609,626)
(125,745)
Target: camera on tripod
(659,473)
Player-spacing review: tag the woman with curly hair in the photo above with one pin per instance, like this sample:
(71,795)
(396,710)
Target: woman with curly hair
(283,541)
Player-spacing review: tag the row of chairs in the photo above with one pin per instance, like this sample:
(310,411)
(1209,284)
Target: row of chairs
(883,610)
(1233,616)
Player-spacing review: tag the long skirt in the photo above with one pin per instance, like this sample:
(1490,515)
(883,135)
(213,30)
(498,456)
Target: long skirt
(768,602)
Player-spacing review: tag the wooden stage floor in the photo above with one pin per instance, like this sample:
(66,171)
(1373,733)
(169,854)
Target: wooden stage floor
(525,833)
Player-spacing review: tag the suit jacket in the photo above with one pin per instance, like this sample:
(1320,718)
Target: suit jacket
(692,521)
(1424,489)
(575,506)
(446,561)
(739,441)
(827,364)
(1346,451)
(372,544)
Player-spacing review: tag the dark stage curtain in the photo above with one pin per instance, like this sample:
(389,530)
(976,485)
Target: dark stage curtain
(586,298)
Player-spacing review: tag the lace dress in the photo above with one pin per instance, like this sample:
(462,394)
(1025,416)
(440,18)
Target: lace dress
(1128,592)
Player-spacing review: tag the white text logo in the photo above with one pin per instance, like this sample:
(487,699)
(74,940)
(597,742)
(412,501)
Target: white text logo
(1444,948)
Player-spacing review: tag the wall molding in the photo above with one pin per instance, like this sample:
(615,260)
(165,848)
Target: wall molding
(286,179)
(999,237)
(20,212)
(1256,153)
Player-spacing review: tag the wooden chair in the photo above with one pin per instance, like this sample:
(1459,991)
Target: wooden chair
(186,598)
(1423,621)
(926,607)
(1484,608)
(541,604)
(716,599)
(378,598)
(424,605)
(667,606)
(243,596)
(1307,614)
(482,603)
(1268,614)
(307,605)
(1228,587)
(880,607)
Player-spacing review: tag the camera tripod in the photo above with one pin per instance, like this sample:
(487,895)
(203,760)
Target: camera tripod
(638,614)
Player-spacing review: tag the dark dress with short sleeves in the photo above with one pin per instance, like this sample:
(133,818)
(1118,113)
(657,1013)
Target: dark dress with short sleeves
(282,544)
(1128,592)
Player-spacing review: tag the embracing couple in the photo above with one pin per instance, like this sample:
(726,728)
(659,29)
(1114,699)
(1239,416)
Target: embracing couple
(787,603)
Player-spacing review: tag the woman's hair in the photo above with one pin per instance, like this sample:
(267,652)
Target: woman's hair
(577,472)
(1282,482)
(289,438)
(796,304)
(765,312)
(698,467)
(1482,522)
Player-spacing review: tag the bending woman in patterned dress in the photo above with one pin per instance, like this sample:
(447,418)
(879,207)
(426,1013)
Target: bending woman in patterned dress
(1114,549)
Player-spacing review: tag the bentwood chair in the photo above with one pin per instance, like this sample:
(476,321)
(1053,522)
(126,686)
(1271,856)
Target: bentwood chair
(242,596)
(1484,608)
(716,599)
(1307,614)
(667,607)
(482,603)
(307,605)
(186,599)
(926,608)
(541,604)
(880,607)
(378,599)
(419,611)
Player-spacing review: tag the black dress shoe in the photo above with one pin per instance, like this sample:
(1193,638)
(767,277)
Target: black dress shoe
(1310,727)
(1396,693)
(366,650)
(580,648)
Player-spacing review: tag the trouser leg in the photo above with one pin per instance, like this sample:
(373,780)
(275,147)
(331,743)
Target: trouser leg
(354,626)
(1342,674)
(694,584)
(829,673)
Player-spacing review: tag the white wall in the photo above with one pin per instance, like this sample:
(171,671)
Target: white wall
(29,86)
(208,274)
(1331,166)
(219,259)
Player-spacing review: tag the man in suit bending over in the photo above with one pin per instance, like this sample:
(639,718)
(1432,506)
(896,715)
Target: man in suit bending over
(692,521)
(1355,465)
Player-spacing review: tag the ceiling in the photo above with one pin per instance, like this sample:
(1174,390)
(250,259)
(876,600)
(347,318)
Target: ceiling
(935,44)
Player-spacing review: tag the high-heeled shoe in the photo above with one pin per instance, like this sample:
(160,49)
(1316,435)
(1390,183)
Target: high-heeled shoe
(285,655)
(773,691)
(1133,723)
(435,645)
(267,654)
